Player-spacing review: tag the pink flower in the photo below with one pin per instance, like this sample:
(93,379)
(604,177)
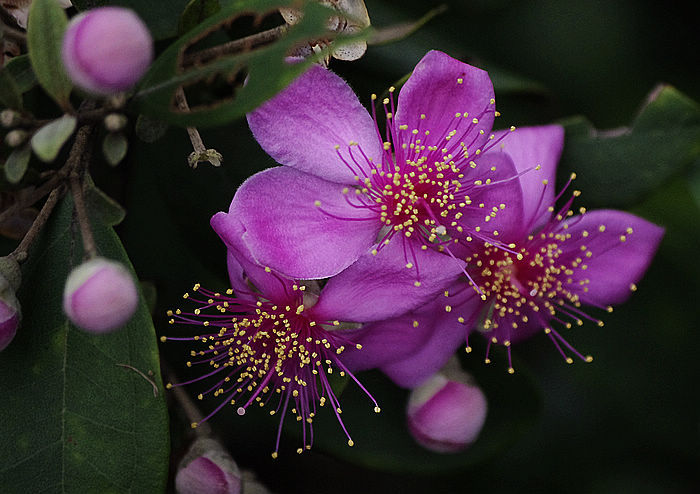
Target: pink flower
(276,340)
(559,263)
(429,183)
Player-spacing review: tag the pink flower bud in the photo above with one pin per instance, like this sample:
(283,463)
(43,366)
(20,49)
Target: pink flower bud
(9,313)
(444,414)
(107,50)
(207,468)
(100,295)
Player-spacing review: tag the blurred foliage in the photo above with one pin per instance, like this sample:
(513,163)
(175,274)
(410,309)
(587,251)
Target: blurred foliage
(628,422)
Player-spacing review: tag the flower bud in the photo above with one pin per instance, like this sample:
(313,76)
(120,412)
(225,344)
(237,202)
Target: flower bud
(16,138)
(446,414)
(100,295)
(207,467)
(106,50)
(10,314)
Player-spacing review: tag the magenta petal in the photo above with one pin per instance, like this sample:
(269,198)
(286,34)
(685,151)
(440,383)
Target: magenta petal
(301,126)
(286,231)
(241,265)
(387,341)
(434,90)
(615,265)
(531,147)
(503,189)
(433,353)
(381,286)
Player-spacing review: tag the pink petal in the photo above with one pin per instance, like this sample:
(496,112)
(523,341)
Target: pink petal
(301,126)
(434,90)
(530,147)
(285,231)
(503,189)
(241,265)
(381,286)
(615,265)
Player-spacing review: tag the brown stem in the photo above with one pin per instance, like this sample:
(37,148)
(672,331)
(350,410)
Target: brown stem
(20,253)
(195,138)
(235,46)
(77,190)
(191,411)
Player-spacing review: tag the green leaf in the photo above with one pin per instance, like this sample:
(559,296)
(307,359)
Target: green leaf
(114,147)
(49,139)
(46,25)
(513,403)
(150,130)
(158,15)
(17,163)
(21,70)
(10,94)
(617,168)
(101,204)
(195,12)
(75,419)
(397,32)
(265,66)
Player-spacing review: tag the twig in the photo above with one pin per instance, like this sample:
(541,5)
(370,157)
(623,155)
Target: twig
(200,153)
(155,386)
(192,413)
(76,188)
(235,46)
(20,253)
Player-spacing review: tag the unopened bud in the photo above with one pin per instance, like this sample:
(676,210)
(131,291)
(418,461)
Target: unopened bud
(100,295)
(106,50)
(10,314)
(16,138)
(114,122)
(444,414)
(207,467)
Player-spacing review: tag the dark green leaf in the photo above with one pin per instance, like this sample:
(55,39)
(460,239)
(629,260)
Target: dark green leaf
(17,163)
(101,204)
(114,147)
(617,168)
(195,12)
(400,31)
(10,94)
(266,69)
(21,69)
(49,139)
(78,415)
(46,25)
(513,406)
(160,16)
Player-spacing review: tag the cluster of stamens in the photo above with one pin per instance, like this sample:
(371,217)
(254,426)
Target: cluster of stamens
(265,353)
(425,181)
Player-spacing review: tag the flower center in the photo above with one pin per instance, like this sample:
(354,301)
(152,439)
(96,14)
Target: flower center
(266,352)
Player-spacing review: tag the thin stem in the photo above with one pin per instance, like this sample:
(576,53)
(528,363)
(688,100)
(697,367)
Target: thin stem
(195,138)
(77,190)
(194,416)
(20,253)
(235,46)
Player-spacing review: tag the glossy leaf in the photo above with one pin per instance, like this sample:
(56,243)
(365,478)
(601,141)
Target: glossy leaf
(158,15)
(81,412)
(46,25)
(17,163)
(618,167)
(49,139)
(266,68)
